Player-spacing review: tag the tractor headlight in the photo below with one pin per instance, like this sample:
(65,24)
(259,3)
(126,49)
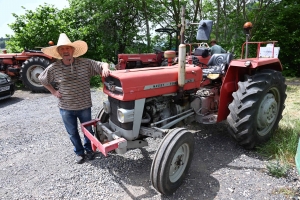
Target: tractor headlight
(247,63)
(106,107)
(124,115)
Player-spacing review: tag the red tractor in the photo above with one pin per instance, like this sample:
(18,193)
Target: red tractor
(249,93)
(131,61)
(25,66)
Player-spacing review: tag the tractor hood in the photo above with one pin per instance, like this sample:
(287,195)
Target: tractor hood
(133,84)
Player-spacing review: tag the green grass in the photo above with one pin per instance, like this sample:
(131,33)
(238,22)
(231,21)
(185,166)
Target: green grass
(278,169)
(282,147)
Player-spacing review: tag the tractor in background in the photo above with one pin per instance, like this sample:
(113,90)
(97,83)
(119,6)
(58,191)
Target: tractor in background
(196,52)
(249,93)
(26,66)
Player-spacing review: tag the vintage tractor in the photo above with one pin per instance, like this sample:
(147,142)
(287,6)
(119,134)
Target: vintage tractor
(249,93)
(198,51)
(141,60)
(26,66)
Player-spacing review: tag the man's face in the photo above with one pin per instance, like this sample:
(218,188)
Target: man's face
(66,52)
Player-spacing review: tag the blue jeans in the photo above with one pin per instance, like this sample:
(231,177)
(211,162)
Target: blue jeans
(69,118)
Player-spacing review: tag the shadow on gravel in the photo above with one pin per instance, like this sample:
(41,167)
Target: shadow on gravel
(10,101)
(131,174)
(214,151)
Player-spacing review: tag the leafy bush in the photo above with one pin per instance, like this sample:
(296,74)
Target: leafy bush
(96,81)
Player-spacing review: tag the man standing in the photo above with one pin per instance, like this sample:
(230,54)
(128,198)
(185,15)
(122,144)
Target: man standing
(72,75)
(215,48)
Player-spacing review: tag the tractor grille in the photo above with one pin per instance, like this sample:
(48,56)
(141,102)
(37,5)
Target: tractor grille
(111,81)
(115,104)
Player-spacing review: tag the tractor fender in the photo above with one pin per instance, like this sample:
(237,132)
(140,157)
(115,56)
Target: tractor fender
(236,72)
(33,53)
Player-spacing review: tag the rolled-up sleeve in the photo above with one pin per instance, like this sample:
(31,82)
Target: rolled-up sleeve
(46,77)
(95,67)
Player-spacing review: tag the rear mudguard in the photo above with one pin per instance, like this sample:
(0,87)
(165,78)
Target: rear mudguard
(235,73)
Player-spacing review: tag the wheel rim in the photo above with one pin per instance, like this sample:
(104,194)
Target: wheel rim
(33,73)
(179,162)
(268,112)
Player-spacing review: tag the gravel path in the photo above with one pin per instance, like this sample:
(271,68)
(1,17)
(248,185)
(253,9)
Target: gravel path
(37,162)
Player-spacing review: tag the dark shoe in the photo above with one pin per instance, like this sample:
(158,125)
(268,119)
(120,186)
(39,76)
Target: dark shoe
(80,159)
(90,155)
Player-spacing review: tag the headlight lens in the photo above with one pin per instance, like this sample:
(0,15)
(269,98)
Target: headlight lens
(125,116)
(121,116)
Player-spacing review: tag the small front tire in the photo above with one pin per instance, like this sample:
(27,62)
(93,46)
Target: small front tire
(172,161)
(103,117)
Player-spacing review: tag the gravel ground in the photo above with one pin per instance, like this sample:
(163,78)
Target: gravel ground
(37,162)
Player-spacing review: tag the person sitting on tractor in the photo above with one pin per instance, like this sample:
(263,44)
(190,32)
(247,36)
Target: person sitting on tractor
(216,48)
(72,75)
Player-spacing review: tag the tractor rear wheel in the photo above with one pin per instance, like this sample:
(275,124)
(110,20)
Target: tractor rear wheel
(103,116)
(172,160)
(257,108)
(30,71)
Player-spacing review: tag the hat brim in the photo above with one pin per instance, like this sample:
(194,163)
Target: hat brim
(79,46)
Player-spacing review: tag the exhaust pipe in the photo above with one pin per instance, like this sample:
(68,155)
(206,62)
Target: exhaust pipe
(181,66)
(181,56)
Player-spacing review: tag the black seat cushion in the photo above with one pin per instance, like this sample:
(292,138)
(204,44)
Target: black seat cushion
(218,64)
(219,59)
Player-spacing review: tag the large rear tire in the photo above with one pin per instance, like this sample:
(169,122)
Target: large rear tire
(257,108)
(30,71)
(172,161)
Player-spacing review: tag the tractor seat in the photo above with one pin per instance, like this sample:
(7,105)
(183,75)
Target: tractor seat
(217,65)
(201,51)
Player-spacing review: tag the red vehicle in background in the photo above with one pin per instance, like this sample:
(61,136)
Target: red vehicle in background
(26,66)
(197,52)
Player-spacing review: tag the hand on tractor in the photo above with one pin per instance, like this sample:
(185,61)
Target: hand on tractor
(105,70)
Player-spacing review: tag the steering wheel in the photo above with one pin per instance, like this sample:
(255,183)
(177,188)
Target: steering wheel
(203,44)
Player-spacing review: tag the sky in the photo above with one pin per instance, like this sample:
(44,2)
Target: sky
(7,7)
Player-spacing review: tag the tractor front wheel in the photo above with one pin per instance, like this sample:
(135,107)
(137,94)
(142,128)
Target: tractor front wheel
(172,160)
(103,117)
(257,108)
(30,71)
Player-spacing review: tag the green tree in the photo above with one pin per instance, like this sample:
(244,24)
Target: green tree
(36,28)
(111,26)
(280,23)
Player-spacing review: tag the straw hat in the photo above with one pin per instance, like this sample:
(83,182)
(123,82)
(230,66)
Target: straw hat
(213,41)
(63,40)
